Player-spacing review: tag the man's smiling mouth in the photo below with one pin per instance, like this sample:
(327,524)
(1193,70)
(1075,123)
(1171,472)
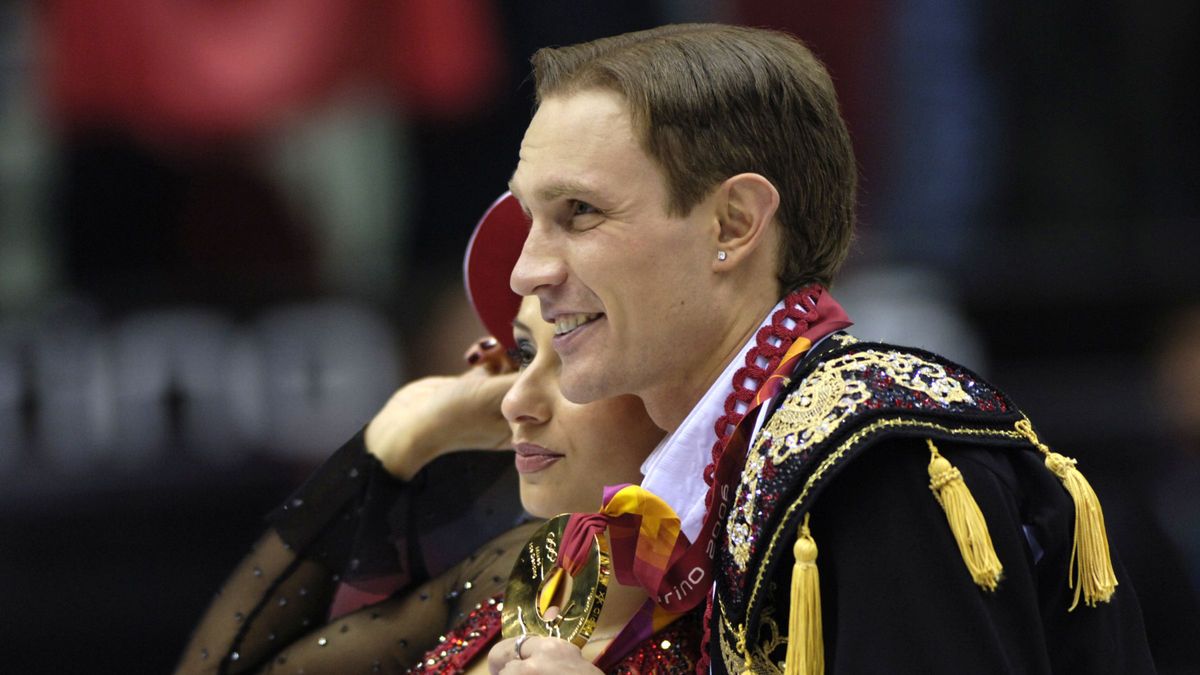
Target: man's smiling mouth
(566,323)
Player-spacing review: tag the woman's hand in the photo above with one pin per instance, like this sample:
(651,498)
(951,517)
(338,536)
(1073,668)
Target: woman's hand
(433,416)
(544,655)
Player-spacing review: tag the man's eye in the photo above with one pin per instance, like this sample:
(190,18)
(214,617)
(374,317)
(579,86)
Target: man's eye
(579,208)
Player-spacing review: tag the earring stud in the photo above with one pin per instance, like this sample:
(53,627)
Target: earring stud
(721,255)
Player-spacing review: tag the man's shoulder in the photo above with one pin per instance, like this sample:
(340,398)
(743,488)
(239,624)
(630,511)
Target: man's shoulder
(859,434)
(852,395)
(877,377)
(849,400)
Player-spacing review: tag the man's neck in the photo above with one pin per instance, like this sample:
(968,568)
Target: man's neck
(669,403)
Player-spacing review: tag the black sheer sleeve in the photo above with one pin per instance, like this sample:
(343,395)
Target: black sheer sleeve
(354,526)
(270,600)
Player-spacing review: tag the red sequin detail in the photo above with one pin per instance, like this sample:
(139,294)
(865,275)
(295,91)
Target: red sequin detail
(463,644)
(674,650)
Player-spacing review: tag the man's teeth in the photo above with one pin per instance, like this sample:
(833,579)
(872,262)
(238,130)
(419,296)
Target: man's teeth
(569,322)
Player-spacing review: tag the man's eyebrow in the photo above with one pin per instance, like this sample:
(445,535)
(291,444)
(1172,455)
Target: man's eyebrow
(558,189)
(520,326)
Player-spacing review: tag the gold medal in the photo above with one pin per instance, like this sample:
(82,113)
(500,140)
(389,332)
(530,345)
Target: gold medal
(573,616)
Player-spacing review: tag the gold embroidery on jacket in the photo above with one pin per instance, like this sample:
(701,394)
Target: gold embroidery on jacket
(739,657)
(827,397)
(843,339)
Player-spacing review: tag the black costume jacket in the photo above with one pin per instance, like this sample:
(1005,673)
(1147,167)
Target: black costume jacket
(846,445)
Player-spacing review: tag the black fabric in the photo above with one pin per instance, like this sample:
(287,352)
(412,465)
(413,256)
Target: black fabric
(276,621)
(893,578)
(897,598)
(351,487)
(353,516)
(353,522)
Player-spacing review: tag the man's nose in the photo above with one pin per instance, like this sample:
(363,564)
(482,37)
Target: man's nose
(541,264)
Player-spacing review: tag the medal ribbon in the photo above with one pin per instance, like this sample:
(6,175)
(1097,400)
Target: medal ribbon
(648,547)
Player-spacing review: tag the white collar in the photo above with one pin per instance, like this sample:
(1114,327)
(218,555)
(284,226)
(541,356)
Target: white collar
(675,470)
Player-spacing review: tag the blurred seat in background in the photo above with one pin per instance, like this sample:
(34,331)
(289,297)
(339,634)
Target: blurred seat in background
(93,399)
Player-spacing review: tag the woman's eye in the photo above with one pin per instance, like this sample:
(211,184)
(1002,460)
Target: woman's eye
(523,354)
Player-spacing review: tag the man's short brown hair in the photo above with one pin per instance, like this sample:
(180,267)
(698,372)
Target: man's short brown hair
(712,101)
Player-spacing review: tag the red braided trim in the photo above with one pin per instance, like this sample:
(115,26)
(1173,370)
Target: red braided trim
(801,307)
(702,663)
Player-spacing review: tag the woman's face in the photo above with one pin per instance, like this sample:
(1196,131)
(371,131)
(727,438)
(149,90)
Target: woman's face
(567,452)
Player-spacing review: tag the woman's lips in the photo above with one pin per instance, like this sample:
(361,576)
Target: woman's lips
(531,458)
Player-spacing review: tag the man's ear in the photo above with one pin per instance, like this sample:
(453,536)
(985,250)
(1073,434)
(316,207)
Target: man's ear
(745,213)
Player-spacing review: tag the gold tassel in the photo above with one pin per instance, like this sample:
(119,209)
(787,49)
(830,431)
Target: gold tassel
(806,645)
(967,523)
(1091,562)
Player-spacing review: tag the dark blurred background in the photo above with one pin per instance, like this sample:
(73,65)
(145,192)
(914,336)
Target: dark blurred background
(229,229)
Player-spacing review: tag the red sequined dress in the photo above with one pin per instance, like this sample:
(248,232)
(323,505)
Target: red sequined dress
(673,650)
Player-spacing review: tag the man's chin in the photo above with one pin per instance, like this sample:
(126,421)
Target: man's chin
(578,392)
(580,385)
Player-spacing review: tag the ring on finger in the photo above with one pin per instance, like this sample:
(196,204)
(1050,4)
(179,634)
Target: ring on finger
(517,645)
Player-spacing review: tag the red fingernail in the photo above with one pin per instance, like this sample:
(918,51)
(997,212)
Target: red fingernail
(488,343)
(473,358)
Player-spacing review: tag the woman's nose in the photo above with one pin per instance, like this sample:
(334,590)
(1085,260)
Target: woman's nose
(526,403)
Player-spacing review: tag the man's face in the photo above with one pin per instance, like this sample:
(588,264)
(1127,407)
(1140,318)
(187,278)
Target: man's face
(624,282)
